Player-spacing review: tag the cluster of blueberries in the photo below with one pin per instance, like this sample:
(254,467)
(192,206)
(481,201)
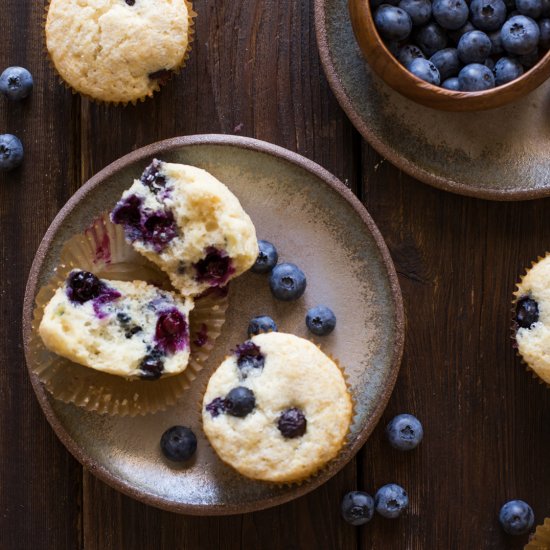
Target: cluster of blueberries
(465,45)
(404,433)
(16,83)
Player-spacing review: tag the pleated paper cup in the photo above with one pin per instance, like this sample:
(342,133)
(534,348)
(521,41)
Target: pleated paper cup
(540,540)
(102,250)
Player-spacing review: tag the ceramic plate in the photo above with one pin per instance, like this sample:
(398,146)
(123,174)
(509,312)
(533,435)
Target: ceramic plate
(500,154)
(317,223)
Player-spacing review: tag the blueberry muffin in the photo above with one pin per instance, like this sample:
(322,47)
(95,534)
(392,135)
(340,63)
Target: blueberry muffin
(532,318)
(277,409)
(117,51)
(188,223)
(133,330)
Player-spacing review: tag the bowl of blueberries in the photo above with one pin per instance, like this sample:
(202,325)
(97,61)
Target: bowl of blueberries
(456,55)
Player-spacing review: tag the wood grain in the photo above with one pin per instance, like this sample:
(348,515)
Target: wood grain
(254,70)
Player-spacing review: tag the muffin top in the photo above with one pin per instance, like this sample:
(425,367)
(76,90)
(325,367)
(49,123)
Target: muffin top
(133,330)
(533,318)
(117,50)
(277,409)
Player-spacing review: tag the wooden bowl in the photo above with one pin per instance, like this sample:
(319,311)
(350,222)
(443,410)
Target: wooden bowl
(388,68)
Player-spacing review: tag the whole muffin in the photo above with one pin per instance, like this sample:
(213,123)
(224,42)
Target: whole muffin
(277,409)
(188,223)
(133,330)
(532,318)
(117,51)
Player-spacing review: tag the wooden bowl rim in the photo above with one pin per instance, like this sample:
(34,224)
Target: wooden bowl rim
(148,152)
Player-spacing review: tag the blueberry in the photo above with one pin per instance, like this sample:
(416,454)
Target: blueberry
(16,83)
(216,407)
(123,318)
(240,402)
(544,29)
(520,35)
(527,312)
(11,152)
(152,366)
(451,84)
(250,359)
(152,177)
(475,78)
(408,53)
(392,23)
(357,508)
(171,331)
(456,35)
(490,64)
(507,69)
(545,8)
(262,323)
(320,320)
(404,432)
(426,70)
(530,59)
(496,43)
(419,11)
(215,268)
(287,282)
(474,47)
(446,62)
(83,286)
(178,443)
(391,500)
(430,38)
(450,14)
(267,258)
(487,15)
(530,8)
(130,2)
(516,517)
(292,423)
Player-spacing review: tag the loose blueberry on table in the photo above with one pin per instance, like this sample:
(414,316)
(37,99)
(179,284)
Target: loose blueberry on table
(178,443)
(391,500)
(287,282)
(320,320)
(516,517)
(261,324)
(267,257)
(16,83)
(357,508)
(11,152)
(404,432)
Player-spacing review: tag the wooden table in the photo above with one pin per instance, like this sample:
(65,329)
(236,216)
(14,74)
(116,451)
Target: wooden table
(254,70)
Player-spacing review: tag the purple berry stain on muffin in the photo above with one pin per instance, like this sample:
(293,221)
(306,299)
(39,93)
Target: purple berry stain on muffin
(249,358)
(215,268)
(201,337)
(171,334)
(527,312)
(292,423)
(216,407)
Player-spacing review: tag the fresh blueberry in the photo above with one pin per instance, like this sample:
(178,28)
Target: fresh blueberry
(83,286)
(496,43)
(11,152)
(16,83)
(426,70)
(544,28)
(455,36)
(404,432)
(419,11)
(430,38)
(527,312)
(262,323)
(516,517)
(240,402)
(357,508)
(408,53)
(450,14)
(545,8)
(178,443)
(474,47)
(475,78)
(446,62)
(490,64)
(530,8)
(451,84)
(320,320)
(487,15)
(507,69)
(287,282)
(267,258)
(520,35)
(530,59)
(391,500)
(292,423)
(250,359)
(392,22)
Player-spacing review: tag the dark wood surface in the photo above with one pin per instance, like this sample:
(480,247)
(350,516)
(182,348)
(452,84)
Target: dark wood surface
(255,70)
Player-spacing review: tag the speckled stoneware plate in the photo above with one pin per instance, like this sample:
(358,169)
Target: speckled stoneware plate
(317,223)
(501,154)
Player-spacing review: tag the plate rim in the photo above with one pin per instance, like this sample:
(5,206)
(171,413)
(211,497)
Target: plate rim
(410,168)
(149,151)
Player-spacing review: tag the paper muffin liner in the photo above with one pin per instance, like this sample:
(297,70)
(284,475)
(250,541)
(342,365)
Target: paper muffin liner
(191,15)
(540,539)
(102,249)
(514,326)
(300,481)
